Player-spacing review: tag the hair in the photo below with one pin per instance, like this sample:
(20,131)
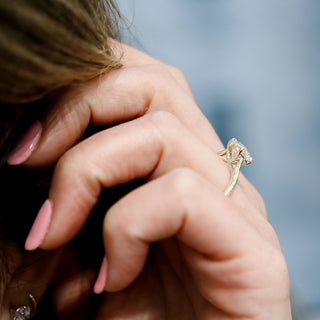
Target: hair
(51,44)
(45,47)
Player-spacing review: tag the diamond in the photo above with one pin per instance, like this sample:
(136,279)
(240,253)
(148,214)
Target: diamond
(21,313)
(247,157)
(236,151)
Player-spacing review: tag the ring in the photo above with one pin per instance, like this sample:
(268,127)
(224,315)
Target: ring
(24,312)
(237,155)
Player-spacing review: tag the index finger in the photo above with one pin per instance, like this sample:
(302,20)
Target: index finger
(119,96)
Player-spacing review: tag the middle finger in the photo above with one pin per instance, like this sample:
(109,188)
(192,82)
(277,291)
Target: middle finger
(146,147)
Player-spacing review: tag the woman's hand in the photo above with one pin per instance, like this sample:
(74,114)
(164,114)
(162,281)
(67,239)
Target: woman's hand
(210,256)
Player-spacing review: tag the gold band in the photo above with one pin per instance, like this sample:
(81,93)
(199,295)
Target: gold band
(237,155)
(34,304)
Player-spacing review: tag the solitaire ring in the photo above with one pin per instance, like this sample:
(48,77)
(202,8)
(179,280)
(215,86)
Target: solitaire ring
(237,155)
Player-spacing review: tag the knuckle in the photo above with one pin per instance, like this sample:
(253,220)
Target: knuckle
(184,182)
(156,68)
(165,125)
(178,73)
(164,70)
(70,166)
(162,121)
(162,75)
(162,117)
(153,74)
(66,162)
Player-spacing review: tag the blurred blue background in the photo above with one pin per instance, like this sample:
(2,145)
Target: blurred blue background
(254,68)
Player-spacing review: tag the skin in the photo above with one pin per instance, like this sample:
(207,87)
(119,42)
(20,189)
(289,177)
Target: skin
(210,256)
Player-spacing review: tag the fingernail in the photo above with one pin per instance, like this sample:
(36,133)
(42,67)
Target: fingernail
(26,144)
(102,277)
(39,228)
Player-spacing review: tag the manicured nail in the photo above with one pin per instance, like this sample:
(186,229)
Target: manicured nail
(102,277)
(26,144)
(39,228)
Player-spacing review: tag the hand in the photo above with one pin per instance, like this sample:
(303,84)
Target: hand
(210,257)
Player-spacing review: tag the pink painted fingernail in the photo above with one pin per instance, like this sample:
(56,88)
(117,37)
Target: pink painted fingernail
(40,227)
(102,277)
(26,144)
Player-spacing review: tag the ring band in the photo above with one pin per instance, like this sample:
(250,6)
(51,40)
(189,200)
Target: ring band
(24,312)
(237,155)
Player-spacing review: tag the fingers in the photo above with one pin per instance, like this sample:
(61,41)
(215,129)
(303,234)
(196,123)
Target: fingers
(148,146)
(117,97)
(226,256)
(181,204)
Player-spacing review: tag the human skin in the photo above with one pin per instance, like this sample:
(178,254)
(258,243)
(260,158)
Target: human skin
(213,257)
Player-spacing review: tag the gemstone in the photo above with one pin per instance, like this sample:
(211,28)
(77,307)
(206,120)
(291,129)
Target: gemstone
(236,150)
(21,313)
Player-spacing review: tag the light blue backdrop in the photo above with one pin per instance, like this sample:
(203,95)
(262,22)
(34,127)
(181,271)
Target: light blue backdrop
(254,69)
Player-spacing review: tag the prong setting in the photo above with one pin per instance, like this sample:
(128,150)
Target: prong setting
(237,155)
